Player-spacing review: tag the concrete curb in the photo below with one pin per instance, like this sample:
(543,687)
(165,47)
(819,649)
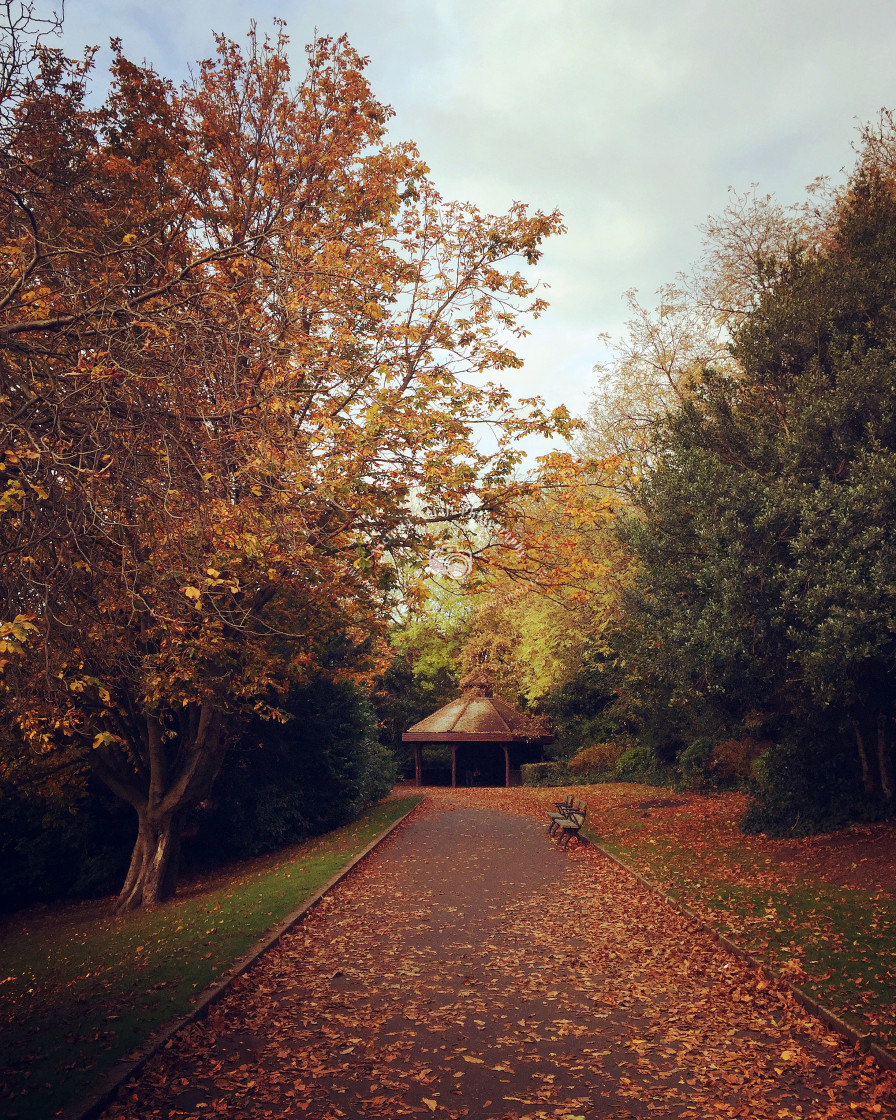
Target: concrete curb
(88,1108)
(884,1057)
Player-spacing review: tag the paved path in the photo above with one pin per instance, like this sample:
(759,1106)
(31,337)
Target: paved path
(471,969)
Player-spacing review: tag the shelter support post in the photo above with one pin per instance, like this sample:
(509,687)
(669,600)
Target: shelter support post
(506,765)
(454,766)
(418,764)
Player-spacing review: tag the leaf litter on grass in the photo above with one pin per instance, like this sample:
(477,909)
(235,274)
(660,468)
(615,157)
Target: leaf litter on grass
(586,994)
(85,989)
(822,909)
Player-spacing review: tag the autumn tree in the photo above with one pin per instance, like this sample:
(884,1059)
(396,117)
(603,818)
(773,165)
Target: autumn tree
(244,347)
(653,367)
(546,596)
(423,669)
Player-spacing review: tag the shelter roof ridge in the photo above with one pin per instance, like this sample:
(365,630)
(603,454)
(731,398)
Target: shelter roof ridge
(476,716)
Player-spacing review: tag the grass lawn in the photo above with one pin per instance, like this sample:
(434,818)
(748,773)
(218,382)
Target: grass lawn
(80,989)
(819,908)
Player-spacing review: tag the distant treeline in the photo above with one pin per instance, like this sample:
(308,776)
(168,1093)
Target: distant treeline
(733,616)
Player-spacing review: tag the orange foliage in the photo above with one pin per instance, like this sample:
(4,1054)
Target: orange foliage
(597,759)
(243,351)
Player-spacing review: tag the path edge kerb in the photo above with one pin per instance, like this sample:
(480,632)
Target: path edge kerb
(89,1107)
(865,1042)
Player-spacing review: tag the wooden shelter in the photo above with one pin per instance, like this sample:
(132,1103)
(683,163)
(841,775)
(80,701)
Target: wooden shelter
(473,727)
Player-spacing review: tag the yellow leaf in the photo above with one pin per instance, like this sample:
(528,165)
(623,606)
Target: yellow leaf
(431,1105)
(477,1061)
(191,592)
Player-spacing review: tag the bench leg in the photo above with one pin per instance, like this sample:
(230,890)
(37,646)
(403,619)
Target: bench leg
(568,834)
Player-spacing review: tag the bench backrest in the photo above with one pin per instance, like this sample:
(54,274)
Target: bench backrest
(580,809)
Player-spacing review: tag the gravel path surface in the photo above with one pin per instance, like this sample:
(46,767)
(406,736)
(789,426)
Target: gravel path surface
(470,968)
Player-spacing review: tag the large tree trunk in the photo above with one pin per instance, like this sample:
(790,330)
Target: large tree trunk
(173,773)
(155,863)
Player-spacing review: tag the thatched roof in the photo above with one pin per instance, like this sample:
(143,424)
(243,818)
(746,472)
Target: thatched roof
(475,718)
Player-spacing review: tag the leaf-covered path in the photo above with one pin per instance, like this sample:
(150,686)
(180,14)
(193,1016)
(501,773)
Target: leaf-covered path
(469,968)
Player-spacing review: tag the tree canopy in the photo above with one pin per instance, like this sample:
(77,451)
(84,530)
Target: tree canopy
(244,349)
(764,525)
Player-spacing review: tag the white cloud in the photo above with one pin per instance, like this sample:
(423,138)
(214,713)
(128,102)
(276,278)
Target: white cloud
(631,116)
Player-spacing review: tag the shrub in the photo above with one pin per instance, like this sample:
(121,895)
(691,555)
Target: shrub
(285,782)
(638,764)
(710,764)
(732,760)
(581,709)
(693,764)
(599,759)
(798,788)
(74,840)
(544,774)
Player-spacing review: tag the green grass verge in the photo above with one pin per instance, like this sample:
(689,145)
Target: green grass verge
(79,990)
(844,940)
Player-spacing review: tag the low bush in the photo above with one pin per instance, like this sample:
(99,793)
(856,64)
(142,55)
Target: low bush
(289,781)
(598,760)
(799,788)
(707,764)
(581,710)
(71,839)
(732,760)
(693,764)
(639,764)
(544,774)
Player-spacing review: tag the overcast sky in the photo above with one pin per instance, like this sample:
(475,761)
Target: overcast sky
(633,117)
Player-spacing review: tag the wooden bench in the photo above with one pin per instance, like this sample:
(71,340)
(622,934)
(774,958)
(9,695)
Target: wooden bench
(560,812)
(570,825)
